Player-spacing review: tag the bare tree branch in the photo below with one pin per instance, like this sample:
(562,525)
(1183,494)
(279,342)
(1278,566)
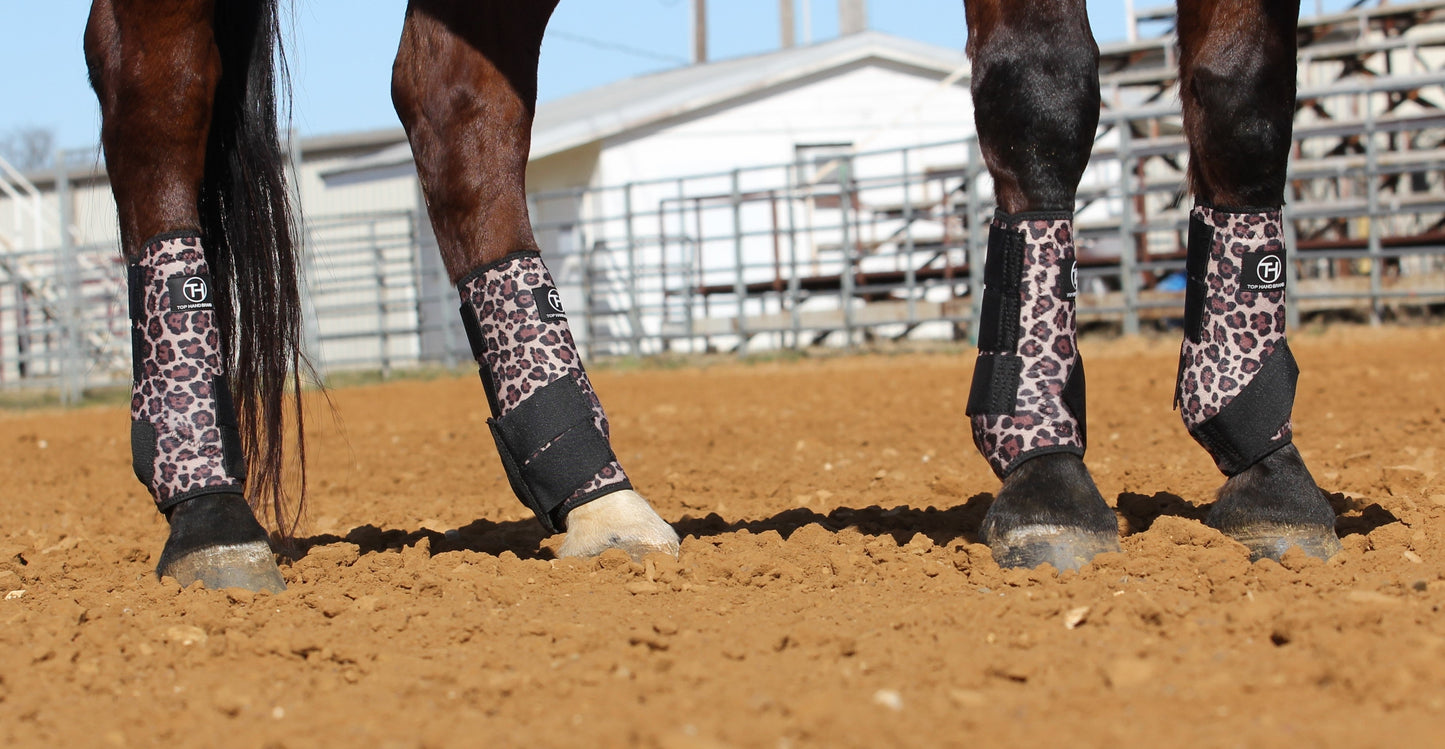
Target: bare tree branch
(28,147)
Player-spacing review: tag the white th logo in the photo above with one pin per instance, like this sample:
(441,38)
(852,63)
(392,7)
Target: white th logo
(554,299)
(1270,269)
(194,290)
(1074,276)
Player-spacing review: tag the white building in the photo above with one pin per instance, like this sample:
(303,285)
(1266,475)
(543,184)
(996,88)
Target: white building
(638,147)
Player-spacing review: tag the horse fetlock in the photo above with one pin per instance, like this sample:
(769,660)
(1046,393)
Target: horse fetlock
(620,520)
(1027,396)
(184,438)
(1049,512)
(548,424)
(1274,505)
(216,540)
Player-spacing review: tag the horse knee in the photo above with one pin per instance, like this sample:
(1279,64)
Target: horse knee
(1036,107)
(451,79)
(183,63)
(1240,113)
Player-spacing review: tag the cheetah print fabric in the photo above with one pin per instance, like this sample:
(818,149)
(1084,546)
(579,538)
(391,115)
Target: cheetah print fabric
(1040,421)
(528,345)
(181,415)
(1238,330)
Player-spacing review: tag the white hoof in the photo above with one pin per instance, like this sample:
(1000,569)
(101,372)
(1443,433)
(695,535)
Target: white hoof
(621,520)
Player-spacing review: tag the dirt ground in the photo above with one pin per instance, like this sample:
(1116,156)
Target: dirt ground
(831,589)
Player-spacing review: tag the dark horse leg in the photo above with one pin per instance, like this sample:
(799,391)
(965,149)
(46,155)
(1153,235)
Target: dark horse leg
(1236,374)
(1036,101)
(465,87)
(156,67)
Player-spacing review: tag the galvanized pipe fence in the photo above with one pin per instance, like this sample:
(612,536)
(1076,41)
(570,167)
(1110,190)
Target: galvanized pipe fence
(835,247)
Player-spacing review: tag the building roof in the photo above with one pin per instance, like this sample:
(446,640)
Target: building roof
(625,106)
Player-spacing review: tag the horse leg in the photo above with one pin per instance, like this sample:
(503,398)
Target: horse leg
(154,67)
(464,85)
(1236,374)
(1036,102)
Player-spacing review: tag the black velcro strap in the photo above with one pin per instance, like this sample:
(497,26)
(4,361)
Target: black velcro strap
(1196,287)
(1242,433)
(1073,397)
(559,418)
(479,349)
(1003,271)
(143,451)
(573,459)
(995,387)
(544,416)
(135,276)
(474,331)
(232,456)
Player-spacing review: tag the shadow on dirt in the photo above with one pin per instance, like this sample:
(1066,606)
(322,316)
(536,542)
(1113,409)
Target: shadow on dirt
(521,537)
(1358,516)
(1139,511)
(940,525)
(525,537)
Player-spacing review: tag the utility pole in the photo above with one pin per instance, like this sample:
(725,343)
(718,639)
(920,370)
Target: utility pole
(699,31)
(785,19)
(852,17)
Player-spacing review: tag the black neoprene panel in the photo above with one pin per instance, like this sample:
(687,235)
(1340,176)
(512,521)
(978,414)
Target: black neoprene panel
(1242,433)
(559,418)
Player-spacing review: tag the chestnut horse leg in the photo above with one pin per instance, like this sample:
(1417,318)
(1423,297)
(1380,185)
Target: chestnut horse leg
(1036,101)
(155,67)
(1236,374)
(464,85)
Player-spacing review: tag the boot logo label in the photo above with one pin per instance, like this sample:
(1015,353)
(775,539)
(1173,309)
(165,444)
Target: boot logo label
(1263,271)
(190,292)
(1069,279)
(549,303)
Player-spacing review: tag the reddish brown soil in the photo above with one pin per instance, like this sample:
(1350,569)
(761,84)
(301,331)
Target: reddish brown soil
(831,591)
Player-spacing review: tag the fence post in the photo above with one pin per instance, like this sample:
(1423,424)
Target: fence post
(1128,278)
(379,258)
(850,254)
(791,172)
(740,287)
(1291,273)
(910,277)
(587,296)
(634,316)
(1372,201)
(691,273)
(72,367)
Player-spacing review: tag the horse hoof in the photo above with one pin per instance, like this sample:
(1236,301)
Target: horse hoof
(215,540)
(620,520)
(1050,512)
(249,566)
(1271,542)
(1274,505)
(1066,548)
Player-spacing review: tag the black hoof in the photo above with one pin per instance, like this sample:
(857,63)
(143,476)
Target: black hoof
(1274,505)
(1049,511)
(216,540)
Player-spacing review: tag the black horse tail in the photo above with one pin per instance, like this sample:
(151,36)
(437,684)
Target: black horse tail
(252,249)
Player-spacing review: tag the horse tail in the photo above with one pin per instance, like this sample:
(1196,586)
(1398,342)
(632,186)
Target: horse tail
(252,248)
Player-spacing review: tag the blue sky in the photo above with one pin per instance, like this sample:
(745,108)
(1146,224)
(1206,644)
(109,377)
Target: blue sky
(341,51)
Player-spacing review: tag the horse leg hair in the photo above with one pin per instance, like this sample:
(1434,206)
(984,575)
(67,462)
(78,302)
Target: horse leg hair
(1237,83)
(155,67)
(1036,104)
(465,87)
